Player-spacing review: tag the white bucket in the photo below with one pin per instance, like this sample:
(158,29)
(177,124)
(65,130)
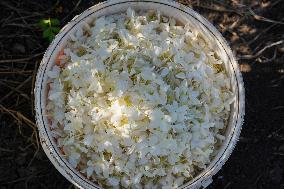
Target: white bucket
(166,7)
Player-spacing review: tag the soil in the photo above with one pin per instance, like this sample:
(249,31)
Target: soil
(254,30)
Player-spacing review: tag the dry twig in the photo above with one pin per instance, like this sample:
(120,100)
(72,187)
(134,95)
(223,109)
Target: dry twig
(247,57)
(21,60)
(17,88)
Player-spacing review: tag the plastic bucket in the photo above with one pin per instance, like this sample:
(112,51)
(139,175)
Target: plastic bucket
(168,8)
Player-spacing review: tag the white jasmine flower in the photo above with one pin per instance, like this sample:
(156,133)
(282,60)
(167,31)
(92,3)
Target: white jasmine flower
(136,94)
(88,140)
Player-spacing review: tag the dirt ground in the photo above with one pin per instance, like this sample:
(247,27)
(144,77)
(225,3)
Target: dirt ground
(254,30)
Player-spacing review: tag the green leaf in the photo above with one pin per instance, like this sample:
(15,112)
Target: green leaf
(50,28)
(55,22)
(49,34)
(51,37)
(47,21)
(46,33)
(42,25)
(55,29)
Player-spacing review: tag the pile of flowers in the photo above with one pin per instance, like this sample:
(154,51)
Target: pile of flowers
(137,101)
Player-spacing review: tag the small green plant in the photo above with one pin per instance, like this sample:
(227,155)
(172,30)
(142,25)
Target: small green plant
(50,27)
